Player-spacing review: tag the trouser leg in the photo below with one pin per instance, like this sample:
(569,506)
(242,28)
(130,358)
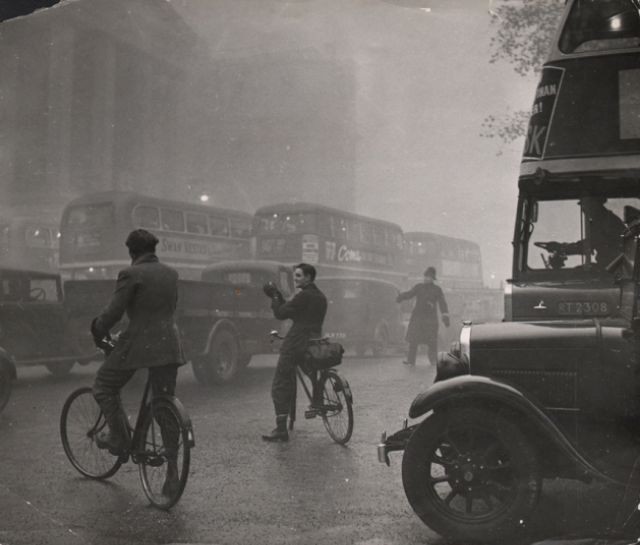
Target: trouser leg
(284,383)
(432,348)
(106,391)
(163,381)
(412,353)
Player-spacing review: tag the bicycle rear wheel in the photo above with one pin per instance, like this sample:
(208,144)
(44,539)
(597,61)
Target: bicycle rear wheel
(81,420)
(337,410)
(164,454)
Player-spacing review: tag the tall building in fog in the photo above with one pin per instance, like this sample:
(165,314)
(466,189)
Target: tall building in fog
(122,94)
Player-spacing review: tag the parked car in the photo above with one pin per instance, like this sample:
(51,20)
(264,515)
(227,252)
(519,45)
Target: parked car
(517,402)
(362,314)
(34,323)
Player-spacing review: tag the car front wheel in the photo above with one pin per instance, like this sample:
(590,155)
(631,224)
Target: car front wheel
(471,474)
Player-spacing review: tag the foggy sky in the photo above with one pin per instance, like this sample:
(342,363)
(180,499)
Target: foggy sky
(424,85)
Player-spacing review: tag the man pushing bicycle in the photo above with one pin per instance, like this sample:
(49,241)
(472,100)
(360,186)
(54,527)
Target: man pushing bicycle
(147,291)
(307,310)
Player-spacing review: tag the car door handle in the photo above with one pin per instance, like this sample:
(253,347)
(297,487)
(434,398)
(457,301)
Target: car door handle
(540,306)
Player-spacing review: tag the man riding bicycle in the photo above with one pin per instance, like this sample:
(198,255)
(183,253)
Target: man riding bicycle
(147,291)
(307,310)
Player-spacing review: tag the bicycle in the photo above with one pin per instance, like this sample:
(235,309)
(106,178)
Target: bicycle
(336,405)
(161,419)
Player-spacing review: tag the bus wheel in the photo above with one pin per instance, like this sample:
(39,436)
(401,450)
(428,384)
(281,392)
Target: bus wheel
(223,359)
(60,369)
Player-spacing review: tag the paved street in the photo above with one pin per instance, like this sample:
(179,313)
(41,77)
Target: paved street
(241,490)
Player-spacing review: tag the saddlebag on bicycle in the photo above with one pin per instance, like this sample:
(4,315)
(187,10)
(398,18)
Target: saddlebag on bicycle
(324,355)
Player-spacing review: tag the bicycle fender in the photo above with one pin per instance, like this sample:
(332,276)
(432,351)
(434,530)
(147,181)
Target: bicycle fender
(173,400)
(347,389)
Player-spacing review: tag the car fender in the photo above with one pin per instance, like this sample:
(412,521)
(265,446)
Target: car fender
(221,325)
(7,361)
(469,389)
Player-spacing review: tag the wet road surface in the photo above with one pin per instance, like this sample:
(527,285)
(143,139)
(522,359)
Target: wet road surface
(242,490)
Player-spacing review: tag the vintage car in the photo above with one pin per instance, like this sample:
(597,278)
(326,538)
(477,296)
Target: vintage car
(34,323)
(362,314)
(516,402)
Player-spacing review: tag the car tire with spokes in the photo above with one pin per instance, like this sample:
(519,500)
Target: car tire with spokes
(471,474)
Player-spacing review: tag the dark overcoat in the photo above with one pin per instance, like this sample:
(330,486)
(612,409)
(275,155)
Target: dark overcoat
(307,310)
(423,325)
(148,292)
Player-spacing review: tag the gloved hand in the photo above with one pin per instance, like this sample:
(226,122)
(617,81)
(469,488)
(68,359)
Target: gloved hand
(99,334)
(272,291)
(445,321)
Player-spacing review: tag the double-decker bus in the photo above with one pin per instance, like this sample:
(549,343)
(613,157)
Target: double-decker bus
(457,261)
(582,146)
(191,235)
(336,242)
(29,243)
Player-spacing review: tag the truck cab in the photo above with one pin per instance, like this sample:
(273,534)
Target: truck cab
(553,391)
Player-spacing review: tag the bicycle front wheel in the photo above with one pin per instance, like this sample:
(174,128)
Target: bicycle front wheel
(164,454)
(81,420)
(337,410)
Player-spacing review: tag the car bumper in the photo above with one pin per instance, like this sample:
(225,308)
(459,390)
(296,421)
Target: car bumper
(395,442)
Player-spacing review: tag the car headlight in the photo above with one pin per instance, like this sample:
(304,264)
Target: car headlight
(455,362)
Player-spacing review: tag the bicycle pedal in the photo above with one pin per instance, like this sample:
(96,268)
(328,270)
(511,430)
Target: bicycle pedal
(311,413)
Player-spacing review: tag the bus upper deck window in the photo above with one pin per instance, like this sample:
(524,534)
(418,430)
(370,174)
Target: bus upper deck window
(239,227)
(600,25)
(172,220)
(218,226)
(196,223)
(146,217)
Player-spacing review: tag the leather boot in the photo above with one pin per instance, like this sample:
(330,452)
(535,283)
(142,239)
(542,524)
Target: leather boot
(280,432)
(116,440)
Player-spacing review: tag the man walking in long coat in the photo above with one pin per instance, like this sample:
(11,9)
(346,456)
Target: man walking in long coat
(423,325)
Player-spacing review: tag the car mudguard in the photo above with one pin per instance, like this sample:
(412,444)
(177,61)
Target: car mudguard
(468,389)
(224,323)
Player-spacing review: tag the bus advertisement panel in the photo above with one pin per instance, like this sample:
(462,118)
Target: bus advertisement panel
(191,236)
(338,243)
(586,113)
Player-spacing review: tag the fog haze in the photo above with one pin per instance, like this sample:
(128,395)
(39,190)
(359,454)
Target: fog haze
(423,85)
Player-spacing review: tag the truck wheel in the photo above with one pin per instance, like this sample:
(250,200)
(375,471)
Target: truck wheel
(380,342)
(223,359)
(60,369)
(471,474)
(5,385)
